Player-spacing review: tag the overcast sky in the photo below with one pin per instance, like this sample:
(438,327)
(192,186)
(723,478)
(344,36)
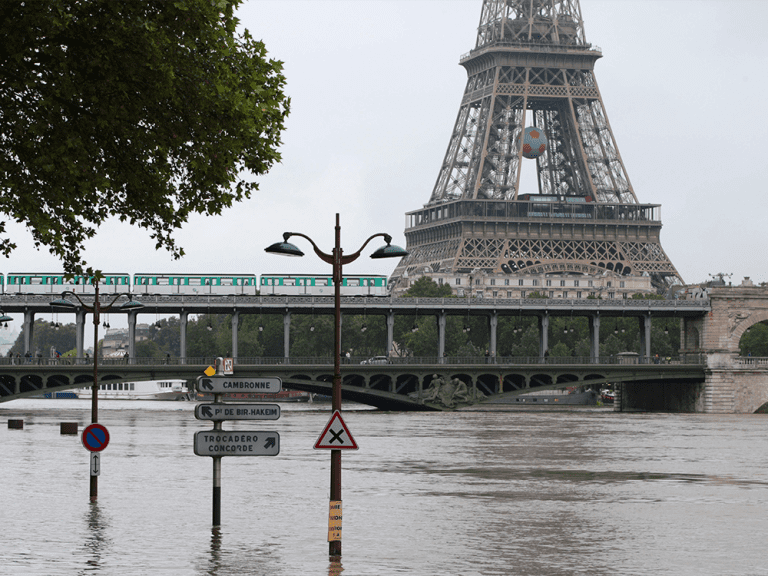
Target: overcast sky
(375,89)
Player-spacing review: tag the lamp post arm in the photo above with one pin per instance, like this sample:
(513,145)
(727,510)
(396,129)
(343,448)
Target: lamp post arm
(83,304)
(91,308)
(108,307)
(328,258)
(352,257)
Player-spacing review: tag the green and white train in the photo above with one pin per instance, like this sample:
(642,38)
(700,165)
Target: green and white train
(200,284)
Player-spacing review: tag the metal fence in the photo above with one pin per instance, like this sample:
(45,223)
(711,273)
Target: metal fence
(696,359)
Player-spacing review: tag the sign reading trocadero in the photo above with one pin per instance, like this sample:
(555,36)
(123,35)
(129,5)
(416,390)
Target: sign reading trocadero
(239,443)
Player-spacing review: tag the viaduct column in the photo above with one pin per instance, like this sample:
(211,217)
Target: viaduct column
(645,340)
(390,330)
(80,332)
(594,338)
(29,321)
(235,321)
(440,335)
(543,334)
(494,324)
(287,334)
(183,319)
(132,334)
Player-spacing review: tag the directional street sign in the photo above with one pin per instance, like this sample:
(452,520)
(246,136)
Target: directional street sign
(237,443)
(237,412)
(336,435)
(95,437)
(225,384)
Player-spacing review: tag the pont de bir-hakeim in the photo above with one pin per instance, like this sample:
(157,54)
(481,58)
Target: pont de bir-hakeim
(581,232)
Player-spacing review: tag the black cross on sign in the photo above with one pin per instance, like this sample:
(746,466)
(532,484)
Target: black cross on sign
(336,436)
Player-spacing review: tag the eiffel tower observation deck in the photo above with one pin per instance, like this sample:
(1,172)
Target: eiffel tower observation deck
(580,230)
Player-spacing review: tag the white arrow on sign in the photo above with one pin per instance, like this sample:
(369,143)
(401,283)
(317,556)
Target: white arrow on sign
(336,435)
(95,463)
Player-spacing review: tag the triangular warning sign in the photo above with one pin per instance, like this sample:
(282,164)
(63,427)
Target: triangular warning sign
(336,435)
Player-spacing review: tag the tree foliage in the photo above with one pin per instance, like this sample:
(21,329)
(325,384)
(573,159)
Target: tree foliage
(311,335)
(425,287)
(148,111)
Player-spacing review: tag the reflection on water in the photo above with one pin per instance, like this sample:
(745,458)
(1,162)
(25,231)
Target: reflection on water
(215,561)
(96,544)
(476,493)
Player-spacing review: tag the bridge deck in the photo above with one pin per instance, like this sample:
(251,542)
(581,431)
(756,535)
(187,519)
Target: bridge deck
(405,385)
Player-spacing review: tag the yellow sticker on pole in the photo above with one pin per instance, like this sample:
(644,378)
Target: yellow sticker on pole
(334,521)
(210,371)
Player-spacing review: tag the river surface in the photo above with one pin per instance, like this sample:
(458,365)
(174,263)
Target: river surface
(580,491)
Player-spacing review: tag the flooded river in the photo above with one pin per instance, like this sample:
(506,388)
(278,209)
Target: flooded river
(504,492)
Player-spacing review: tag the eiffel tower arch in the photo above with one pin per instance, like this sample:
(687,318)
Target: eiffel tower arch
(582,225)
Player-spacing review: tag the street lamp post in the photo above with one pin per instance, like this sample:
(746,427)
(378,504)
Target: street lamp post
(96,309)
(337,259)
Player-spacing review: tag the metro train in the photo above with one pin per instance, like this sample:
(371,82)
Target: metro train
(195,284)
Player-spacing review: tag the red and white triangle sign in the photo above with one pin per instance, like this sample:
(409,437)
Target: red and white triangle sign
(336,435)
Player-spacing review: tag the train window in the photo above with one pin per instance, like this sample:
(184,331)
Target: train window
(353,281)
(289,282)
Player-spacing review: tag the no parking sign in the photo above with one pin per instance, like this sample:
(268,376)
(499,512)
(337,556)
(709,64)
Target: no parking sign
(95,437)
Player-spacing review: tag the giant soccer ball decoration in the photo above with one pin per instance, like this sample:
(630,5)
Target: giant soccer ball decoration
(534,142)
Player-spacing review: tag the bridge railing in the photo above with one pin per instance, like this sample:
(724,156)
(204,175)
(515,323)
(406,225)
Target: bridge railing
(366,361)
(755,361)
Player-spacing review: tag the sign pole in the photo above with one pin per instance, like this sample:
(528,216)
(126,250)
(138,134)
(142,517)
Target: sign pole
(334,545)
(217,474)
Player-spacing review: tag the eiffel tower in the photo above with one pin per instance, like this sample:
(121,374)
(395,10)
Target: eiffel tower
(532,63)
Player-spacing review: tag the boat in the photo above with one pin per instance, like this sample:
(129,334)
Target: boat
(570,397)
(146,390)
(65,394)
(282,396)
(607,396)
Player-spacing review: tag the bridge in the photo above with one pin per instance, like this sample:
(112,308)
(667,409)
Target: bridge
(439,308)
(403,384)
(717,381)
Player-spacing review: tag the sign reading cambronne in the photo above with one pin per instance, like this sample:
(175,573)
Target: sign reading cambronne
(225,385)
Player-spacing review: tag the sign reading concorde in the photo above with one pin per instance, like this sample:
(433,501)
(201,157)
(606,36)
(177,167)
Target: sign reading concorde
(236,443)
(226,384)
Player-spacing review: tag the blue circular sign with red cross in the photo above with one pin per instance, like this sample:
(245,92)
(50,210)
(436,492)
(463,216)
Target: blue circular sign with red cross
(95,437)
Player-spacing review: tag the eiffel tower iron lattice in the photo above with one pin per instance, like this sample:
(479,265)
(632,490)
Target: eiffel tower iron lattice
(532,61)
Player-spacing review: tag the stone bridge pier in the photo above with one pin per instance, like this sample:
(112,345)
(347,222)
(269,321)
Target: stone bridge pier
(733,384)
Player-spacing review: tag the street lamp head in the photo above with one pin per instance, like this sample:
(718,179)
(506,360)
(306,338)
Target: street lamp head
(4,317)
(131,305)
(389,251)
(63,303)
(285,248)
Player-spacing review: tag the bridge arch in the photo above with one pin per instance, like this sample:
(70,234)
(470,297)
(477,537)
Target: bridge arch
(692,338)
(752,337)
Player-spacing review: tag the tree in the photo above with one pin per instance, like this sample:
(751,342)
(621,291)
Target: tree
(44,336)
(425,287)
(147,111)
